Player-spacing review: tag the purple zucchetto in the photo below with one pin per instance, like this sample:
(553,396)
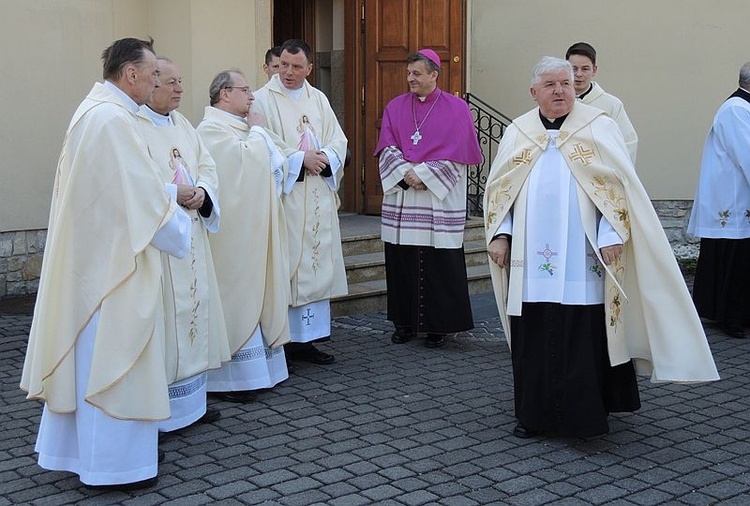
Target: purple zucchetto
(431,55)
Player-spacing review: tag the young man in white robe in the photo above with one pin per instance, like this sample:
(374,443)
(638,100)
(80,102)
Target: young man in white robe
(250,251)
(721,216)
(310,136)
(587,287)
(196,337)
(582,56)
(96,348)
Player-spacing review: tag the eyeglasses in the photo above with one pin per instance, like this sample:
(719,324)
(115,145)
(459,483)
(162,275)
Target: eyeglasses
(243,89)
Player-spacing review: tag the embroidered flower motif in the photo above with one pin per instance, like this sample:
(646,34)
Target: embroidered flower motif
(497,201)
(595,266)
(606,191)
(614,308)
(547,266)
(315,258)
(193,332)
(724,217)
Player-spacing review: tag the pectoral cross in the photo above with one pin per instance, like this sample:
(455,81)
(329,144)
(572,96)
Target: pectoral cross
(416,137)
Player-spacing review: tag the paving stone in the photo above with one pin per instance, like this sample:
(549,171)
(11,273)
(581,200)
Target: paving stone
(418,498)
(350,500)
(410,427)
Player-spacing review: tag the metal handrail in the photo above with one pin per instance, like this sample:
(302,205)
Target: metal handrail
(490,124)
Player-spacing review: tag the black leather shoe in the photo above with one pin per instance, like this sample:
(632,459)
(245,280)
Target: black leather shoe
(126,487)
(401,336)
(211,416)
(239,396)
(307,352)
(435,340)
(318,357)
(523,432)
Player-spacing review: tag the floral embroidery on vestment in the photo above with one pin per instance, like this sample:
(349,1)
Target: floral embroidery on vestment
(497,201)
(724,217)
(315,258)
(595,266)
(607,192)
(547,266)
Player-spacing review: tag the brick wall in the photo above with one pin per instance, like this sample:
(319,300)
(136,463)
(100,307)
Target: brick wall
(21,261)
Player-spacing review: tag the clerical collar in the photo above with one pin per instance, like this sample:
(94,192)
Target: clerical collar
(431,96)
(157,118)
(741,93)
(295,94)
(553,124)
(127,101)
(591,87)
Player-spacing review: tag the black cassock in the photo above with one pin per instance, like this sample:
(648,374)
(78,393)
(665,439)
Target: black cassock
(563,382)
(427,289)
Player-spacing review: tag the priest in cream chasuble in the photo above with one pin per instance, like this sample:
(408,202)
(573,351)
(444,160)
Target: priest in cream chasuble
(586,282)
(309,134)
(96,348)
(196,337)
(250,250)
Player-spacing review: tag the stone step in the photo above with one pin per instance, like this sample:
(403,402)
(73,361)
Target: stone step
(365,264)
(370,266)
(365,237)
(370,296)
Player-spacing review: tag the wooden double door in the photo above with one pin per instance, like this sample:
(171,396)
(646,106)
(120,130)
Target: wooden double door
(393,29)
(378,37)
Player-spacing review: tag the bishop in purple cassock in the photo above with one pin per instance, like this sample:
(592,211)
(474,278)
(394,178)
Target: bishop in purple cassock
(427,139)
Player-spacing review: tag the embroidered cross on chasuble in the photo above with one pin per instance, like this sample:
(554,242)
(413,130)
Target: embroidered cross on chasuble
(582,154)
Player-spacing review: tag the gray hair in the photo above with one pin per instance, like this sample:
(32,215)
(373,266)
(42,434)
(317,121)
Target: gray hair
(222,80)
(550,64)
(745,76)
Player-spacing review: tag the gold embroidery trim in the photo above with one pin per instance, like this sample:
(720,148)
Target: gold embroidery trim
(581,154)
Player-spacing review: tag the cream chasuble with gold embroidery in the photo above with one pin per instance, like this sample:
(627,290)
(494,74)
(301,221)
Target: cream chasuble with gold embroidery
(196,337)
(99,260)
(650,316)
(250,251)
(311,206)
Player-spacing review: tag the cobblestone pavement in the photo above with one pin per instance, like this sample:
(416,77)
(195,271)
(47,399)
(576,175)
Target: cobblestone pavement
(406,425)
